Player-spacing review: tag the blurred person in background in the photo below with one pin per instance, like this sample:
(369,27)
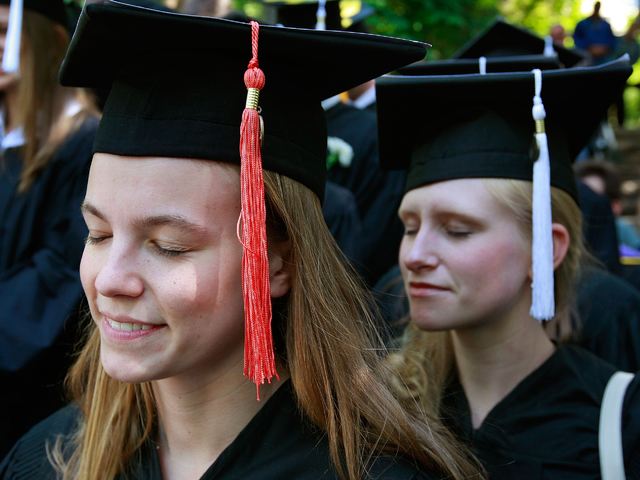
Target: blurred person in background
(46,136)
(594,35)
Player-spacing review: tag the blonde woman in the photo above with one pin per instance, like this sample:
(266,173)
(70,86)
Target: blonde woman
(473,352)
(158,389)
(46,135)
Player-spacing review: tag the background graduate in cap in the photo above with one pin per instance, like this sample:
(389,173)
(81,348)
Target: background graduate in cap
(203,208)
(46,132)
(489,259)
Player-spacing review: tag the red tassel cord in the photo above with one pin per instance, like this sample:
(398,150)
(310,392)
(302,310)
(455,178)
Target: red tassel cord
(259,361)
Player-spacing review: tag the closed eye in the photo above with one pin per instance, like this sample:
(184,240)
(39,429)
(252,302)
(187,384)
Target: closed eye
(168,252)
(91,240)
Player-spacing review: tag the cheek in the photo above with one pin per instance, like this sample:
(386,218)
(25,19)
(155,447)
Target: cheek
(501,267)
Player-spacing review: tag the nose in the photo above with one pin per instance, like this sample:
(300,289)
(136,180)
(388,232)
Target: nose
(420,252)
(120,274)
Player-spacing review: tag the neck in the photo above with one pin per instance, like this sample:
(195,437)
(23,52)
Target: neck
(196,424)
(492,359)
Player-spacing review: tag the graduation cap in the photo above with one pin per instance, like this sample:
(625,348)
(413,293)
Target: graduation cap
(502,39)
(177,90)
(481,126)
(466,66)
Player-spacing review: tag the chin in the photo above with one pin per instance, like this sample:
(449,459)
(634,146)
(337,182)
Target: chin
(126,370)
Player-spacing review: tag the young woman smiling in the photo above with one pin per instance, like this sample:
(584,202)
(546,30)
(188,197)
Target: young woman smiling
(158,388)
(475,351)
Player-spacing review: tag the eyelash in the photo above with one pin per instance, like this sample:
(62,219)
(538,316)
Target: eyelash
(93,240)
(167,253)
(161,251)
(458,234)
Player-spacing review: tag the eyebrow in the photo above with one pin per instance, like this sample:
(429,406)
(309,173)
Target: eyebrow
(176,221)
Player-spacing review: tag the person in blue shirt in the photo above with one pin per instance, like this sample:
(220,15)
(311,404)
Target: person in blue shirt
(594,35)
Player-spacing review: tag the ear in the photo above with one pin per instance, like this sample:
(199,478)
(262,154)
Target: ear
(280,269)
(561,242)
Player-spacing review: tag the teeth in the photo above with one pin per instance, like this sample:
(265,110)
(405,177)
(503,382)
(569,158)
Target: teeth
(128,327)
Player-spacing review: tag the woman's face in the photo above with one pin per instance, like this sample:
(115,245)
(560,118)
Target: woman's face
(464,258)
(162,266)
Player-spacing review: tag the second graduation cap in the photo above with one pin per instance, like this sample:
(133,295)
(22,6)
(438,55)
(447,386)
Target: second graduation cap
(501,39)
(466,66)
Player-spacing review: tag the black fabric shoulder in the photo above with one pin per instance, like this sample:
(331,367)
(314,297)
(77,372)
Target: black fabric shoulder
(28,460)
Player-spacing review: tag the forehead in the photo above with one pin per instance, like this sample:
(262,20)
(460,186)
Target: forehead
(147,185)
(466,195)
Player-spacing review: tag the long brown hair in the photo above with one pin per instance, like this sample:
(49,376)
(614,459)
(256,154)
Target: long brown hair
(41,101)
(424,365)
(332,352)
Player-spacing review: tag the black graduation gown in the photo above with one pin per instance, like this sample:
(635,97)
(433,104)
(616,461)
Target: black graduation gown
(609,312)
(41,242)
(278,443)
(547,427)
(378,194)
(341,215)
(599,228)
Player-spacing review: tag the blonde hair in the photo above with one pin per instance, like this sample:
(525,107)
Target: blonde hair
(41,101)
(332,352)
(424,365)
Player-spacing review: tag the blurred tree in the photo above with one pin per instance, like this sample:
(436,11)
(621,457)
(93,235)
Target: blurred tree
(446,24)
(449,24)
(540,15)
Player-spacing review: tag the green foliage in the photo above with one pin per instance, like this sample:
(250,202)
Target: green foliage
(446,24)
(540,15)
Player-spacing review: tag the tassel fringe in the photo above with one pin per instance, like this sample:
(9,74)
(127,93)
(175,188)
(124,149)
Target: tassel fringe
(259,360)
(543,303)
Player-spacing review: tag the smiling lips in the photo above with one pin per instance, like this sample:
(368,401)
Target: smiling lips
(128,327)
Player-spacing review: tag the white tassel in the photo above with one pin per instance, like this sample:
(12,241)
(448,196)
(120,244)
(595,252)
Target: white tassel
(543,303)
(482,63)
(11,56)
(321,16)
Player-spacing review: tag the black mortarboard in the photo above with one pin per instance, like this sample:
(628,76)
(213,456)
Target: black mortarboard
(481,125)
(177,89)
(304,13)
(502,39)
(465,66)
(525,126)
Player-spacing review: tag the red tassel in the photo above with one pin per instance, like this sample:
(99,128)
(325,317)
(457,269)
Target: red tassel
(259,361)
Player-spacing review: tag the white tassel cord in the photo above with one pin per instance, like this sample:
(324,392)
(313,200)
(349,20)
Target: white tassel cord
(543,303)
(482,63)
(11,56)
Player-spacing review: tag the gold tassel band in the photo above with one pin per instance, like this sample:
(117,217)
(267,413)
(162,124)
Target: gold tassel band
(252,98)
(540,126)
